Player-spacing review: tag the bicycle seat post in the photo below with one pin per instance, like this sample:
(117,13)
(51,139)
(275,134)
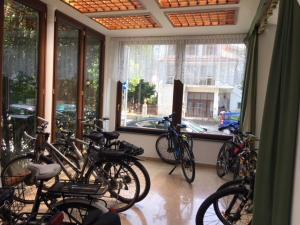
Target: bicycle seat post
(37,200)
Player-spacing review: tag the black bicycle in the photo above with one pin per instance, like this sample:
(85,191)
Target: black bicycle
(66,143)
(234,153)
(99,166)
(231,204)
(66,202)
(176,148)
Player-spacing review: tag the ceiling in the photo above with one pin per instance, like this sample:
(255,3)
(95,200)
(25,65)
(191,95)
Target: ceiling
(245,12)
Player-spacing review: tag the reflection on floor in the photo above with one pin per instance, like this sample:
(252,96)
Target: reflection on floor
(171,200)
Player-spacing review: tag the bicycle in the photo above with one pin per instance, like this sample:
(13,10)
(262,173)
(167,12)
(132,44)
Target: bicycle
(232,203)
(178,149)
(117,179)
(66,144)
(67,203)
(230,156)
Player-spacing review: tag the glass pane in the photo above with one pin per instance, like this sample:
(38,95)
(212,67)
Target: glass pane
(148,91)
(67,76)
(91,82)
(213,78)
(21,41)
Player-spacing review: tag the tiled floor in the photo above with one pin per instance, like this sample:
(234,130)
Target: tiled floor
(171,200)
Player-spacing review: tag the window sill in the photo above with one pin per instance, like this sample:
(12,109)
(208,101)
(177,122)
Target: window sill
(201,136)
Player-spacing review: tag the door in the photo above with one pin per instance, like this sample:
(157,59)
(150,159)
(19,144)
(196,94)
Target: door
(22,72)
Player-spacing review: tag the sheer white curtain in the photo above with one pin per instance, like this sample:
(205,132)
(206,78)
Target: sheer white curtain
(168,58)
(150,62)
(213,64)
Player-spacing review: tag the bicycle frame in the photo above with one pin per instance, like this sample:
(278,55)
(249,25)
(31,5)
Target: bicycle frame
(58,156)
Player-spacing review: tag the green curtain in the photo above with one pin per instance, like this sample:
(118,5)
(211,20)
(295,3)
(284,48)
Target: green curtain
(276,161)
(248,109)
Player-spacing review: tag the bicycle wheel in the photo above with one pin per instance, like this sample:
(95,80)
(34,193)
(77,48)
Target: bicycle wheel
(223,159)
(17,168)
(230,184)
(144,179)
(121,181)
(234,207)
(76,210)
(164,151)
(187,163)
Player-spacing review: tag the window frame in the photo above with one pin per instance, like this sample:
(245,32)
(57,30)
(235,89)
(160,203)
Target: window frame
(176,107)
(61,18)
(41,8)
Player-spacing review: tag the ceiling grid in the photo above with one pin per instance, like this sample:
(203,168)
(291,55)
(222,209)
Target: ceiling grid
(168,17)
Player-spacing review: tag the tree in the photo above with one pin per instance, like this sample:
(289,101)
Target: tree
(140,92)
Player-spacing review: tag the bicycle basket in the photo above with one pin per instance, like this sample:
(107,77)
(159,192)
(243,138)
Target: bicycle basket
(14,186)
(6,195)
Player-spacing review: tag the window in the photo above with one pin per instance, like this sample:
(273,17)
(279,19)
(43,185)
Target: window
(21,73)
(210,86)
(147,90)
(222,66)
(78,75)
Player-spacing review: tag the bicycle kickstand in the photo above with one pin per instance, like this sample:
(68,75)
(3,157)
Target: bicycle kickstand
(172,170)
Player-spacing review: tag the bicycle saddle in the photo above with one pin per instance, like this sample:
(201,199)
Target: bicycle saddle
(44,172)
(94,136)
(111,135)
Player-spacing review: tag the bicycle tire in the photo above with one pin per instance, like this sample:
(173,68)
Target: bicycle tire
(167,154)
(144,186)
(67,206)
(105,170)
(25,158)
(222,160)
(230,184)
(208,207)
(187,160)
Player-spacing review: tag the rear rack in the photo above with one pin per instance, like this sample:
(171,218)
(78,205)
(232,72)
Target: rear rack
(68,188)
(130,149)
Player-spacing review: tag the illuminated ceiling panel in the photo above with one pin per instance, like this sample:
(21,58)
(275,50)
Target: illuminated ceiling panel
(86,6)
(127,22)
(190,3)
(202,18)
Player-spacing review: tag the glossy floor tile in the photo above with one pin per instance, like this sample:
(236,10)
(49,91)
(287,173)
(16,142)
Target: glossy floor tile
(171,200)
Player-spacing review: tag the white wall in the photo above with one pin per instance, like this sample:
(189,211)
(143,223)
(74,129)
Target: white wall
(205,151)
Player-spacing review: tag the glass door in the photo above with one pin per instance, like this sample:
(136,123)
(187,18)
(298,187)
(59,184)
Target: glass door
(91,78)
(66,80)
(21,41)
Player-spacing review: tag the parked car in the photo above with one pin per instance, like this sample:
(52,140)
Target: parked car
(21,111)
(228,117)
(152,122)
